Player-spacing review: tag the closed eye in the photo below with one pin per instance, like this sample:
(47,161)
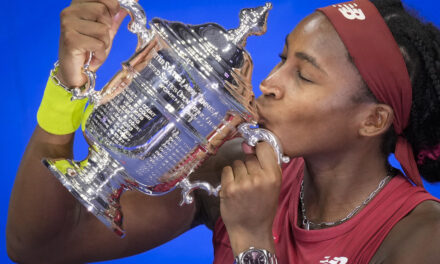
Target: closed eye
(298,73)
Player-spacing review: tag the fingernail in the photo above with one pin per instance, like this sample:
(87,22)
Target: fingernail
(247,149)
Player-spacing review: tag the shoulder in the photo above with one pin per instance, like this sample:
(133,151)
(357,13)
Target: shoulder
(415,238)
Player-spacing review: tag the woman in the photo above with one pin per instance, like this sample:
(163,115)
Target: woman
(336,111)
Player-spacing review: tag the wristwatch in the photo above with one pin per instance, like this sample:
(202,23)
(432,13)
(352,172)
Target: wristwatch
(255,256)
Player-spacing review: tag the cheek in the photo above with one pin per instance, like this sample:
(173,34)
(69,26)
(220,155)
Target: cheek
(316,123)
(334,117)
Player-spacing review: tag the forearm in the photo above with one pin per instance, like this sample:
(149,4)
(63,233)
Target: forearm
(40,209)
(249,199)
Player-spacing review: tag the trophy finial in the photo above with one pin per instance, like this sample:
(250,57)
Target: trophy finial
(253,21)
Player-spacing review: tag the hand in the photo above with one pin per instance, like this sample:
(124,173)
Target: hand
(249,198)
(86,26)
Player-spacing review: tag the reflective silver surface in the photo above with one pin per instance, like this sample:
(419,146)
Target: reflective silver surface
(176,100)
(254,135)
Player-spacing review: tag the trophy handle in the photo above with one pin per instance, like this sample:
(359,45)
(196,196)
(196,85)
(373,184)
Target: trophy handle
(137,26)
(138,23)
(188,187)
(88,90)
(252,135)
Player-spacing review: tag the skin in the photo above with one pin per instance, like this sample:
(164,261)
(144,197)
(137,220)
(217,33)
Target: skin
(307,103)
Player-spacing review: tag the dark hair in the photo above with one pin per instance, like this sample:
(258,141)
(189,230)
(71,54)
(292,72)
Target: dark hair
(420,46)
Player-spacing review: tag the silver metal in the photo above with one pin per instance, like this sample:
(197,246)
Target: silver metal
(85,91)
(137,26)
(254,135)
(55,80)
(252,22)
(88,90)
(138,22)
(188,187)
(173,104)
(256,256)
(307,224)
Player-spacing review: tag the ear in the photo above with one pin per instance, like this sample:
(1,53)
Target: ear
(378,120)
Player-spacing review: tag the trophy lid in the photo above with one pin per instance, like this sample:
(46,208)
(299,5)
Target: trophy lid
(219,54)
(253,21)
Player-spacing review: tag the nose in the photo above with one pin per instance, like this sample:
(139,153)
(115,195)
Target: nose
(272,85)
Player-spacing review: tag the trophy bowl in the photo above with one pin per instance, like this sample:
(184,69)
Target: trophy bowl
(185,91)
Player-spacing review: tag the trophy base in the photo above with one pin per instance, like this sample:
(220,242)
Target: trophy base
(97,182)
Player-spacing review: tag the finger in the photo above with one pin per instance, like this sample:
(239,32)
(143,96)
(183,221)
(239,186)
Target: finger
(85,44)
(77,47)
(94,11)
(112,6)
(253,165)
(266,156)
(227,176)
(240,170)
(247,149)
(79,44)
(94,30)
(117,21)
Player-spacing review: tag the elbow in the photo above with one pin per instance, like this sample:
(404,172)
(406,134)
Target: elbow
(22,249)
(13,247)
(12,255)
(18,250)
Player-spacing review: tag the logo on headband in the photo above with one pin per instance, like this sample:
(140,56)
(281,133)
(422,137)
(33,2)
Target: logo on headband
(350,11)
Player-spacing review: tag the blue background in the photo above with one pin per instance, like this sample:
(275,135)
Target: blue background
(29,43)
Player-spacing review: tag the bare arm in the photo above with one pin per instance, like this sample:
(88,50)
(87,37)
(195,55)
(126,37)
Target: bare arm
(414,239)
(45,223)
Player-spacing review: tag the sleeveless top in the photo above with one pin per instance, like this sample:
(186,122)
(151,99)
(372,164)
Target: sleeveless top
(354,241)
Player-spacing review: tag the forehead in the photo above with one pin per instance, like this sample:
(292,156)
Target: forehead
(316,36)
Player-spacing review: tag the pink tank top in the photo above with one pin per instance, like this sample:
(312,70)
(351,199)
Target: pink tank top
(354,241)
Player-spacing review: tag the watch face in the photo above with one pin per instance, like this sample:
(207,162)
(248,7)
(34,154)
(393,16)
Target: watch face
(254,256)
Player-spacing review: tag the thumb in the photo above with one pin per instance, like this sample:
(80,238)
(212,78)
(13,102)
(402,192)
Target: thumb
(117,21)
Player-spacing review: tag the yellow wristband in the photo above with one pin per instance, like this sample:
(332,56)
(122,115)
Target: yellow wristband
(57,113)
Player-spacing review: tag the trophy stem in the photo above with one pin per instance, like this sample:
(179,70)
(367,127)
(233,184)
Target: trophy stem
(97,182)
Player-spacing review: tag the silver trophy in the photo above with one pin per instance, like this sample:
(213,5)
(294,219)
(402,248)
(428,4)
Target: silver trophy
(185,91)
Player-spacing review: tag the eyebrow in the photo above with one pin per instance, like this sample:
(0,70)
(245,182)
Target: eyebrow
(304,56)
(309,59)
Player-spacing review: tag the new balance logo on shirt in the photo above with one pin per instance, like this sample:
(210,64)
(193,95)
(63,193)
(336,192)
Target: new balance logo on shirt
(335,260)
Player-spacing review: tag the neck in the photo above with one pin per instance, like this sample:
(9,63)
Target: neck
(335,185)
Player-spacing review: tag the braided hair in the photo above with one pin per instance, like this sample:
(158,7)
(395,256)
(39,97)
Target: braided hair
(419,43)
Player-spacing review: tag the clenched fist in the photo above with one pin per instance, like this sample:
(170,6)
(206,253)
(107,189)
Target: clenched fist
(249,198)
(86,26)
